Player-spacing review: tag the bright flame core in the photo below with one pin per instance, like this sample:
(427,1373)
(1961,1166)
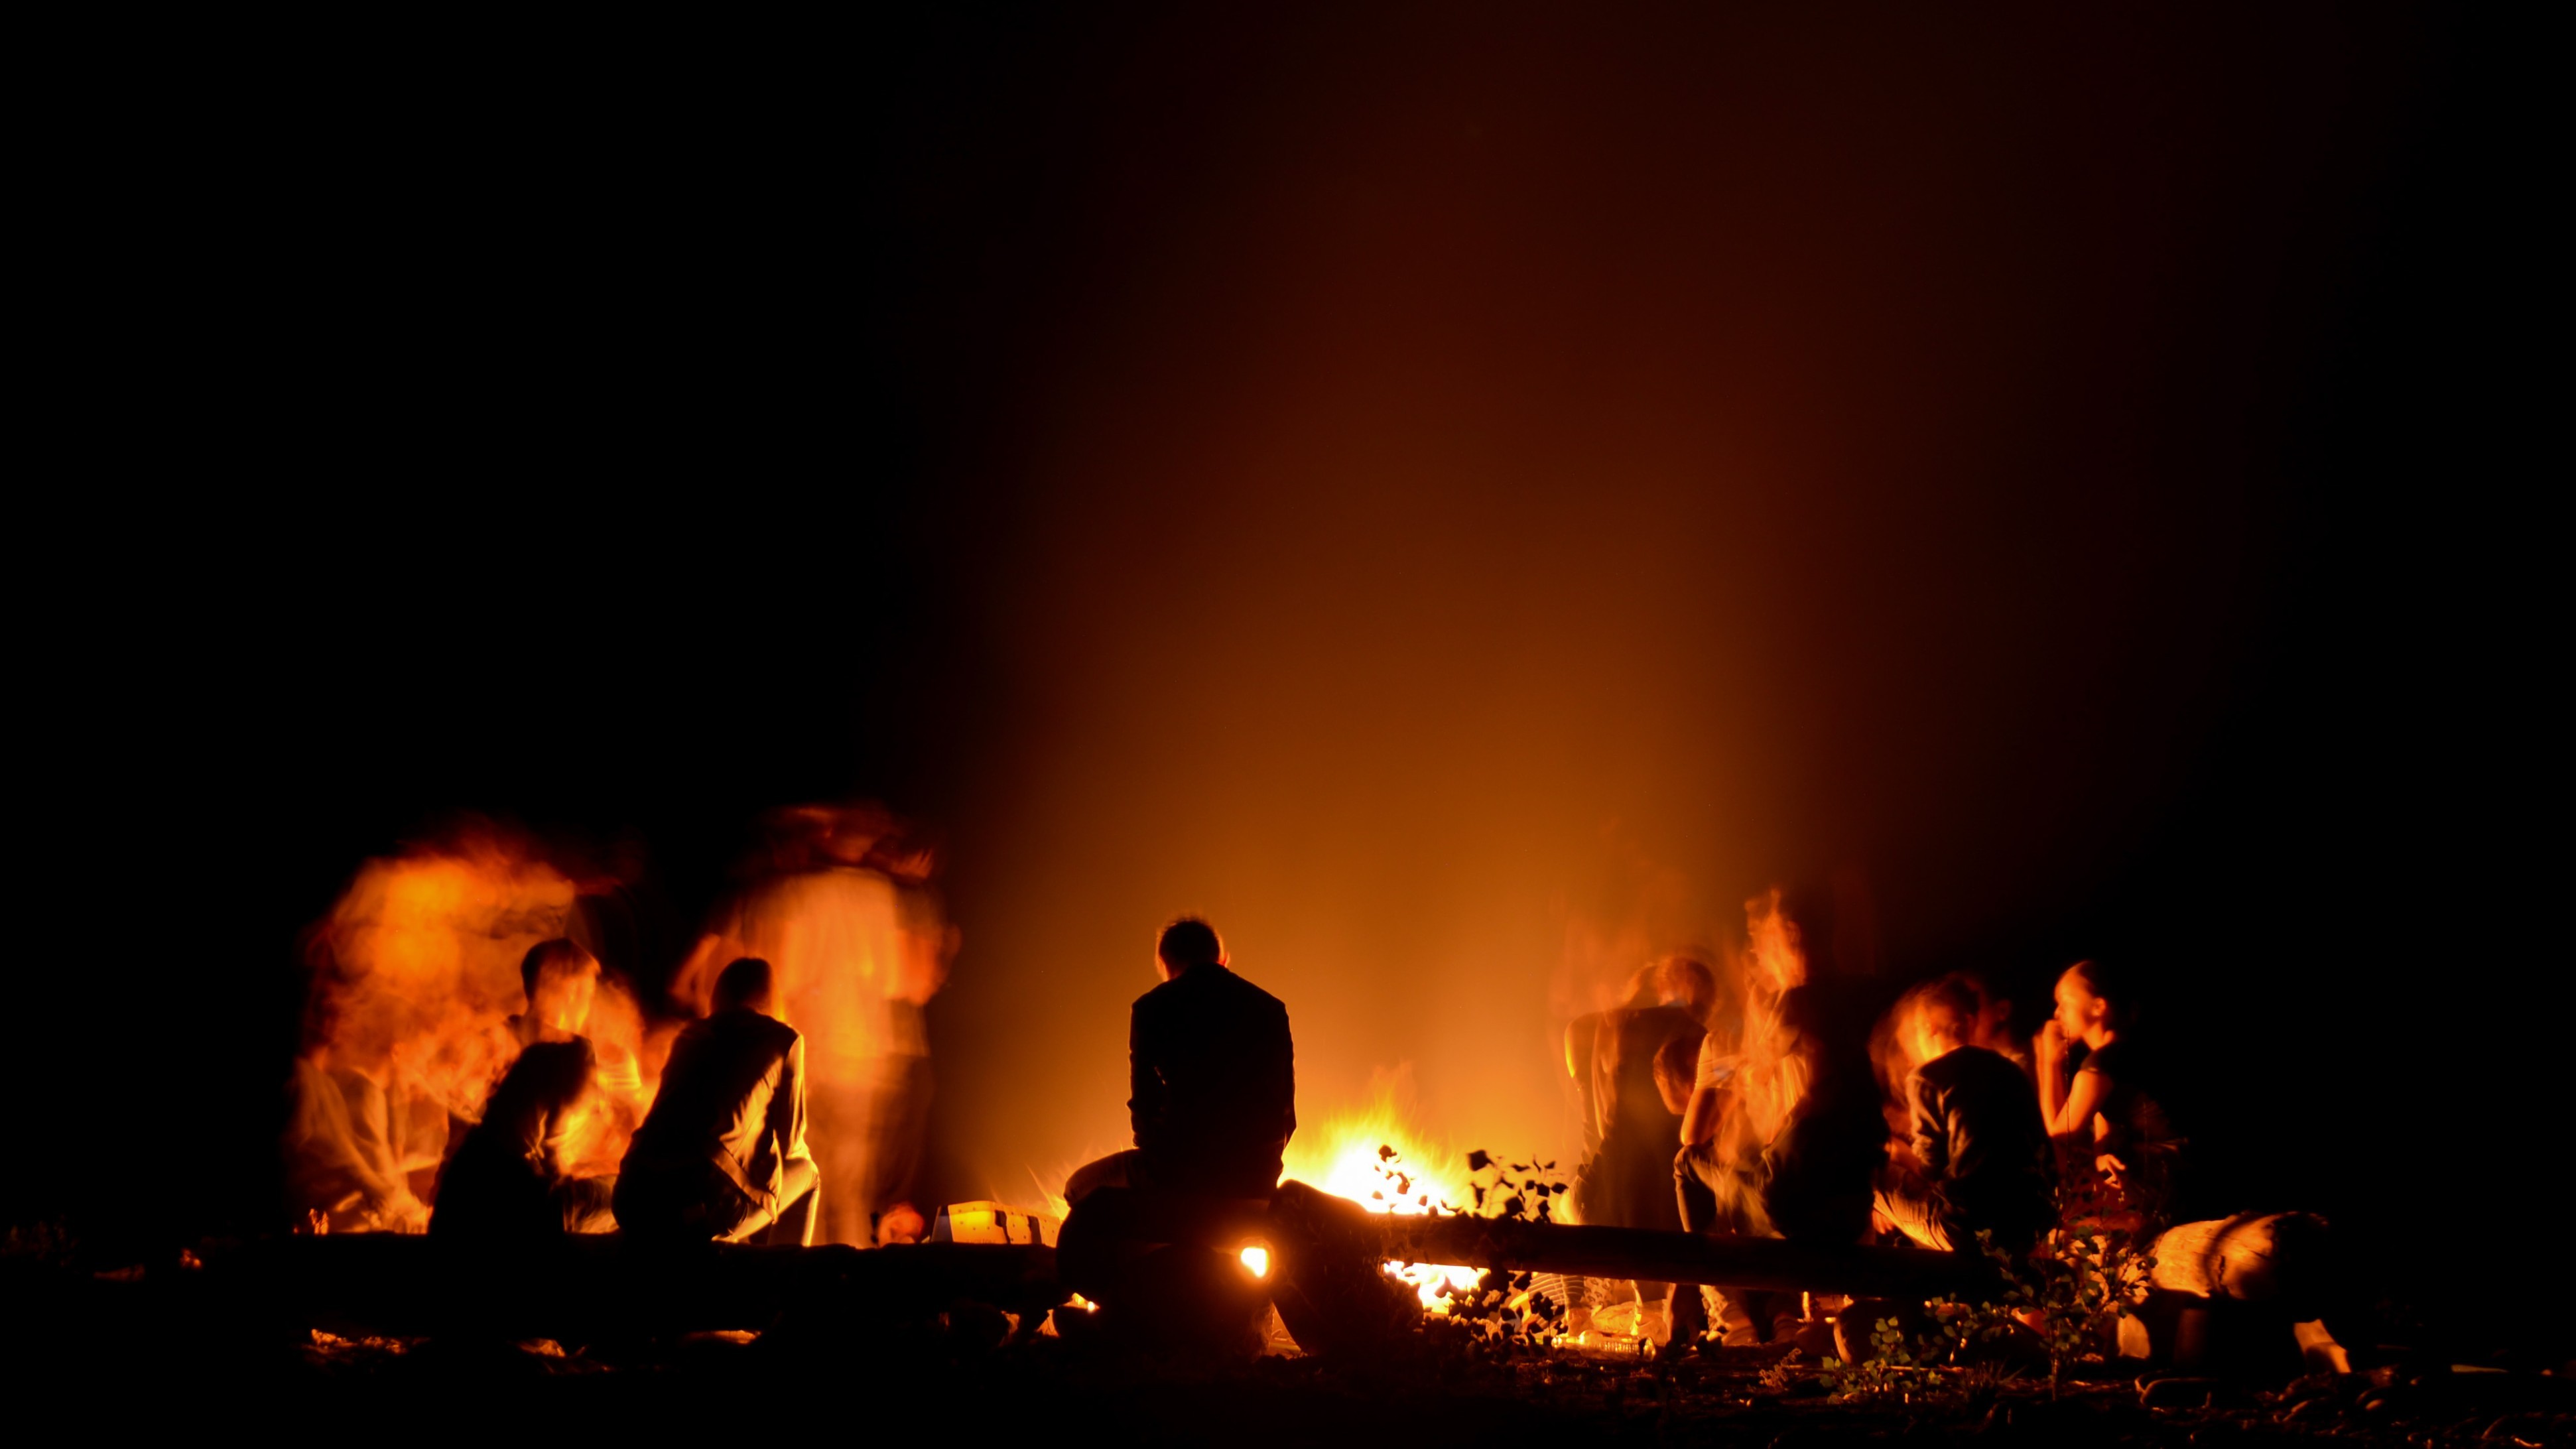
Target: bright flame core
(1257,1260)
(1375,1160)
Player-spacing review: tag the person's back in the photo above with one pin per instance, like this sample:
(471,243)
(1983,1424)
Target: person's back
(1820,1163)
(1977,1132)
(720,1100)
(1630,1184)
(722,1153)
(1213,1072)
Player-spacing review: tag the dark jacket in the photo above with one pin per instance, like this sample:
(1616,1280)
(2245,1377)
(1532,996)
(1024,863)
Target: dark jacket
(1977,1130)
(1212,1083)
(498,1180)
(733,1097)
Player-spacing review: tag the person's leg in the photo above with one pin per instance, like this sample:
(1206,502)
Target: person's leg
(1698,1207)
(798,1213)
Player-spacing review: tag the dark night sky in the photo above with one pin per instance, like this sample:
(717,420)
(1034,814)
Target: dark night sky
(1417,486)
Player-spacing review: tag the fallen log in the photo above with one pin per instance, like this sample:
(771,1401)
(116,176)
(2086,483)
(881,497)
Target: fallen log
(590,1288)
(1326,1253)
(1764,1264)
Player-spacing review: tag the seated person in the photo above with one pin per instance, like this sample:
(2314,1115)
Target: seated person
(1212,1079)
(344,1159)
(507,1179)
(722,1156)
(1977,1136)
(1781,1142)
(2116,1146)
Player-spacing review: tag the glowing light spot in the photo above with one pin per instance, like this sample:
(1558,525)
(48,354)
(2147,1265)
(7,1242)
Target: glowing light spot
(1258,1260)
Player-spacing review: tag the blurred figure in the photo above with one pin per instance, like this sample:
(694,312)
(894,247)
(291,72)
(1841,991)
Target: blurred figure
(1783,1137)
(1992,1028)
(722,1155)
(1627,1182)
(343,1144)
(1212,1077)
(507,1181)
(838,900)
(2115,1143)
(1980,1152)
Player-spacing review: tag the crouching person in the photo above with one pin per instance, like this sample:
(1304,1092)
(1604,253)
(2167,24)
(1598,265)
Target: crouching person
(1977,1135)
(506,1184)
(722,1156)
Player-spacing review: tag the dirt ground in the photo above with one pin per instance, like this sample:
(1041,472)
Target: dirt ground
(180,1352)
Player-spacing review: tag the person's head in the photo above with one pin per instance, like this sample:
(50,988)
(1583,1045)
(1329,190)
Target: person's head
(1690,985)
(1994,1011)
(1677,1072)
(1185,943)
(560,978)
(747,985)
(1945,1017)
(2092,1002)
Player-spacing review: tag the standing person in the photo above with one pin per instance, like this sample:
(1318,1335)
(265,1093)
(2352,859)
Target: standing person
(2106,1116)
(1212,1079)
(722,1155)
(1976,1134)
(507,1180)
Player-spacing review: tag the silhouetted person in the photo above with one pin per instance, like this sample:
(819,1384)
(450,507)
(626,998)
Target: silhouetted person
(722,1155)
(1976,1136)
(506,1182)
(1212,1079)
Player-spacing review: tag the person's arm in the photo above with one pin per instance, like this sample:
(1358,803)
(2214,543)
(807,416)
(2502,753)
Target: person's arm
(1708,1107)
(563,1109)
(787,1109)
(1145,1088)
(1931,1135)
(2050,1049)
(1284,1082)
(2070,1128)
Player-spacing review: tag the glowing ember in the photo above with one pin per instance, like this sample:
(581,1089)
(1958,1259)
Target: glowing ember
(1257,1260)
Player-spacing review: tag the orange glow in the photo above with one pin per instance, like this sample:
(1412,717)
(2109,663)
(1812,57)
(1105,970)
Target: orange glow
(1257,1260)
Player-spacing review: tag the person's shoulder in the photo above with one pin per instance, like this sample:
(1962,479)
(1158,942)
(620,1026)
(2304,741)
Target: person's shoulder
(1987,1064)
(2109,1059)
(1253,993)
